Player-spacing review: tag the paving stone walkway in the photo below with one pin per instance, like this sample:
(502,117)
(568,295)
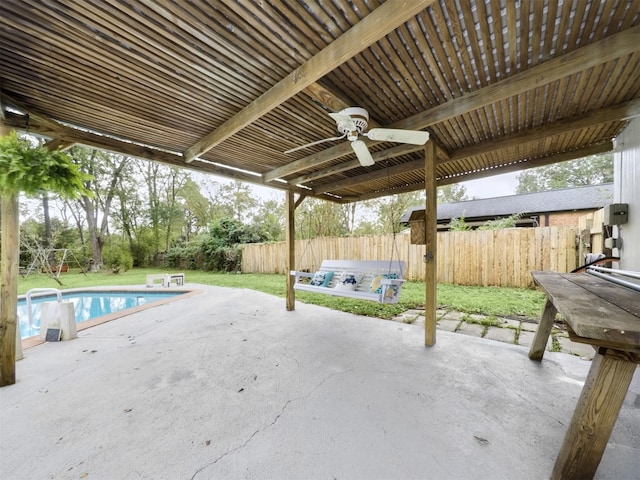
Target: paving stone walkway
(508,330)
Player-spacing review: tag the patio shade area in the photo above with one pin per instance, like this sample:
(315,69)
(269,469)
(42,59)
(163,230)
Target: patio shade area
(227,385)
(227,87)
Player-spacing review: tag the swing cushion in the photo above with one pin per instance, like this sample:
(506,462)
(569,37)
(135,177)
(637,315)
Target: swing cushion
(347,281)
(321,279)
(376,284)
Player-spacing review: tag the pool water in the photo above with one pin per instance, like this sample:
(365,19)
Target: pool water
(87,305)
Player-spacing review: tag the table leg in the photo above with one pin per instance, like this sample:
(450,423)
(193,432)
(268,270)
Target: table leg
(543,331)
(595,415)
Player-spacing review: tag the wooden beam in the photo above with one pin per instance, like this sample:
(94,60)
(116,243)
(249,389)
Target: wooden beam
(526,164)
(371,176)
(490,172)
(68,136)
(298,201)
(290,237)
(602,51)
(350,165)
(431,236)
(58,144)
(589,56)
(383,20)
(614,113)
(620,112)
(327,97)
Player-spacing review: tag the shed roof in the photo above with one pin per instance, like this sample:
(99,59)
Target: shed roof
(226,87)
(563,200)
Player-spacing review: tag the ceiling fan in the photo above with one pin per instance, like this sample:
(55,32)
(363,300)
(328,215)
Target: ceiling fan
(353,121)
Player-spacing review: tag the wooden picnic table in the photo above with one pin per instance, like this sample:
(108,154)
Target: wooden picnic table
(606,316)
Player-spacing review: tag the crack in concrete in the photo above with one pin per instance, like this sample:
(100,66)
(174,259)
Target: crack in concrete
(246,442)
(284,407)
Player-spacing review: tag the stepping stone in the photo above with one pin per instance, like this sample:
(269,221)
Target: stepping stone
(506,335)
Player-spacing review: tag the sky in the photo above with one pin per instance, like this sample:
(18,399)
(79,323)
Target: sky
(489,187)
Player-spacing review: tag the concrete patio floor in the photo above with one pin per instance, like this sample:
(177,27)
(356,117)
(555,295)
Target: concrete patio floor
(227,384)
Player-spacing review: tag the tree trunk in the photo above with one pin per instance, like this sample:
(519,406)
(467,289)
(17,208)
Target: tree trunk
(9,219)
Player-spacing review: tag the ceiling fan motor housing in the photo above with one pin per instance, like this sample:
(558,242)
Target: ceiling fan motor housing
(356,123)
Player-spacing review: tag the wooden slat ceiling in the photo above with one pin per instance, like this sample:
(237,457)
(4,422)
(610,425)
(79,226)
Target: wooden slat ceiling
(226,87)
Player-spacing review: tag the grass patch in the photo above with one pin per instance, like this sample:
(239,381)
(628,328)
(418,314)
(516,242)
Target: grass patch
(490,301)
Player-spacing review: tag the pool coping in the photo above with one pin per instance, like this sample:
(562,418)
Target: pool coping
(186,293)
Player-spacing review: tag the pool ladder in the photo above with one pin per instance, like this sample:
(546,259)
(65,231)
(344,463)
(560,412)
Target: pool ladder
(39,290)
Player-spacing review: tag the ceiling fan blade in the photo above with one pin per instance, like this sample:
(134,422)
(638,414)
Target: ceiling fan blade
(363,153)
(315,143)
(414,137)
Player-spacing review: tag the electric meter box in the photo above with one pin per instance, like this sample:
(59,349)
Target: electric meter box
(616,214)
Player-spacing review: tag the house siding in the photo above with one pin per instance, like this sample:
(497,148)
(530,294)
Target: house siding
(627,190)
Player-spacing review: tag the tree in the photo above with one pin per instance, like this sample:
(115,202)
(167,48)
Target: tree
(196,209)
(234,200)
(103,174)
(592,170)
(452,193)
(387,211)
(30,169)
(269,220)
(319,218)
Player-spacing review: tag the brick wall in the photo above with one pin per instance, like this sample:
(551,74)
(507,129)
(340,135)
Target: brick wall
(565,219)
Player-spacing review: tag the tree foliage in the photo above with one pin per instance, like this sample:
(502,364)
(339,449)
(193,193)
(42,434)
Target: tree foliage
(319,218)
(592,170)
(459,225)
(102,174)
(385,213)
(28,168)
(500,223)
(452,193)
(219,250)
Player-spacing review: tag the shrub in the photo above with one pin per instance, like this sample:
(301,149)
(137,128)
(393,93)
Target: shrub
(117,257)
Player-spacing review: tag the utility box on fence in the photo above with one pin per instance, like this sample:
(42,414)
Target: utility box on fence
(60,315)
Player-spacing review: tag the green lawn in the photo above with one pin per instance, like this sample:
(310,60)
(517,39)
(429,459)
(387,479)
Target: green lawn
(508,302)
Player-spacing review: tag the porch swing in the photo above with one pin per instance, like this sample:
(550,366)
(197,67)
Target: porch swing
(375,280)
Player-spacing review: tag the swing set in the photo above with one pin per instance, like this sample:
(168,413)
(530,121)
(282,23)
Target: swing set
(50,261)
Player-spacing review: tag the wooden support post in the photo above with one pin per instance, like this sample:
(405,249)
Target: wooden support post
(536,351)
(290,235)
(9,213)
(9,334)
(595,415)
(431,219)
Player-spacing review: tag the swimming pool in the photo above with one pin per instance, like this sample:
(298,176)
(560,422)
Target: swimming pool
(88,305)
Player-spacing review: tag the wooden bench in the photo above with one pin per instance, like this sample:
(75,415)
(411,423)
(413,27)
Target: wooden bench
(378,280)
(56,268)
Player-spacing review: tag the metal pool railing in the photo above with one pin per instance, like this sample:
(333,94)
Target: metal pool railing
(28,301)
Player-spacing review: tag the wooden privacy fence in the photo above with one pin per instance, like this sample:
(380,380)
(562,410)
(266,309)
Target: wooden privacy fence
(479,257)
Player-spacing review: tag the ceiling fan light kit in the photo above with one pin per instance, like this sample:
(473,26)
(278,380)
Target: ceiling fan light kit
(353,122)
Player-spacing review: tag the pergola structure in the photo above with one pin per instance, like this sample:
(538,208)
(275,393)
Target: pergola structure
(226,87)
